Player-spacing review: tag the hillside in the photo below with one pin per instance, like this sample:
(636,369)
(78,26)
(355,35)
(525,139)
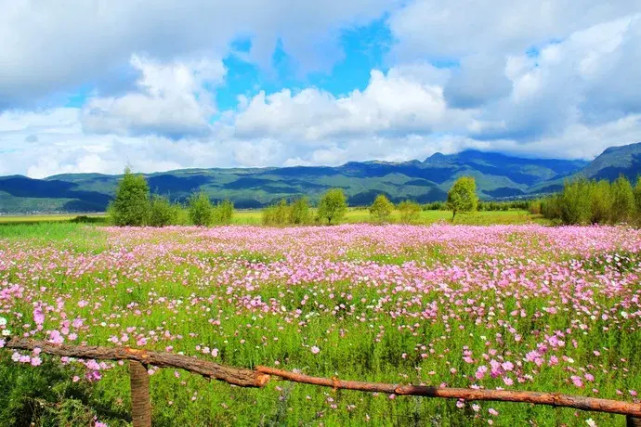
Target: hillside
(497,176)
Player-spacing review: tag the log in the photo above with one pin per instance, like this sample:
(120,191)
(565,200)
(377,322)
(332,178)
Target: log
(539,398)
(236,376)
(140,400)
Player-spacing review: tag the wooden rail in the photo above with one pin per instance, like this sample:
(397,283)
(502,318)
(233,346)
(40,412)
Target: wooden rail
(141,405)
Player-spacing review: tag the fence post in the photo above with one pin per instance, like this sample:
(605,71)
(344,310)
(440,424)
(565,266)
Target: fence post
(631,421)
(140,400)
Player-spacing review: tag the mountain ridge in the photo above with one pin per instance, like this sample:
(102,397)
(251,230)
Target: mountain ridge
(498,176)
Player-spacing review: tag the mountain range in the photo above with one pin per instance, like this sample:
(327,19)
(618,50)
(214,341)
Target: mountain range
(498,176)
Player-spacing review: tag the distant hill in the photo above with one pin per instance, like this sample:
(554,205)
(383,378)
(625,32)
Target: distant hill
(497,176)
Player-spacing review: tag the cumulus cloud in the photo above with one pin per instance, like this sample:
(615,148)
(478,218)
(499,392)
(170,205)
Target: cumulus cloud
(554,79)
(51,46)
(399,102)
(172,100)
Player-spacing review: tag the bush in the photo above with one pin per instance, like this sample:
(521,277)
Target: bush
(332,206)
(575,202)
(381,209)
(162,212)
(299,212)
(409,210)
(201,212)
(623,206)
(131,204)
(223,212)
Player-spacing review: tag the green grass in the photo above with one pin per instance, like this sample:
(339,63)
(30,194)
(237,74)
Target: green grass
(354,215)
(129,297)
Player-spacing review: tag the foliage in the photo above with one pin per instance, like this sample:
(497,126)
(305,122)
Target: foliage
(409,211)
(131,204)
(332,206)
(201,211)
(223,212)
(162,213)
(381,209)
(623,206)
(575,202)
(300,212)
(462,196)
(585,201)
(278,214)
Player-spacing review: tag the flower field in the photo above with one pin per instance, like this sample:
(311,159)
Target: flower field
(521,307)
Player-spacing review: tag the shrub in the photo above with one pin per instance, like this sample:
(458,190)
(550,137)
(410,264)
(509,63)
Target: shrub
(162,212)
(381,209)
(409,211)
(201,212)
(622,200)
(223,212)
(299,212)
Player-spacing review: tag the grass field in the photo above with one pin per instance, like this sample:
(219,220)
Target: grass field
(512,306)
(354,215)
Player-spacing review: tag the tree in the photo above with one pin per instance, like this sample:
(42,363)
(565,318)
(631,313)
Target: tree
(622,200)
(409,210)
(381,209)
(462,196)
(576,204)
(223,212)
(600,202)
(299,212)
(201,212)
(332,206)
(162,212)
(131,204)
(637,196)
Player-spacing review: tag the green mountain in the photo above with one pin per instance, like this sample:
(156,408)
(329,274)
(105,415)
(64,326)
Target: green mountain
(497,175)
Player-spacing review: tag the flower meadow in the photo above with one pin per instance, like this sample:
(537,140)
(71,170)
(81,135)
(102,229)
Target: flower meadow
(522,307)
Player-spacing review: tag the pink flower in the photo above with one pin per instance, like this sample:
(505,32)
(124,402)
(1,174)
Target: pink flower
(480,372)
(576,381)
(315,350)
(493,412)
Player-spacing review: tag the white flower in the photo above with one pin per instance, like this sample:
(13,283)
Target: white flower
(6,332)
(591,422)
(3,321)
(623,314)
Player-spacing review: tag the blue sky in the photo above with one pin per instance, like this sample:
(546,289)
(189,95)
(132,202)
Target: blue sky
(92,87)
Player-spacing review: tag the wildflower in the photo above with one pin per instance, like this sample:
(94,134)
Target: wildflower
(315,350)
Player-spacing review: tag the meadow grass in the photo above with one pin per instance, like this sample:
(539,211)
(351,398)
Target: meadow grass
(398,304)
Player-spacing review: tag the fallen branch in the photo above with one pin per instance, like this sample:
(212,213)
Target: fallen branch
(260,376)
(539,398)
(228,374)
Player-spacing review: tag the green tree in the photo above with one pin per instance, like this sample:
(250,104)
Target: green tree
(332,206)
(600,202)
(201,212)
(462,196)
(277,214)
(622,200)
(162,212)
(223,212)
(637,196)
(299,212)
(409,210)
(576,202)
(381,209)
(131,204)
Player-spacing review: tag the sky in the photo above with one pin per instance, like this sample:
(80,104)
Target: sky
(97,85)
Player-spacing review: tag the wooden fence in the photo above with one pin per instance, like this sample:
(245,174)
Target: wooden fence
(258,377)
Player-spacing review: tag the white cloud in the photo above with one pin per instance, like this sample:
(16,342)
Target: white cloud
(171,100)
(50,46)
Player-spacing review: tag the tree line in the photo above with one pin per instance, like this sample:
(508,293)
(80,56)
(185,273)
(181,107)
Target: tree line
(584,201)
(133,205)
